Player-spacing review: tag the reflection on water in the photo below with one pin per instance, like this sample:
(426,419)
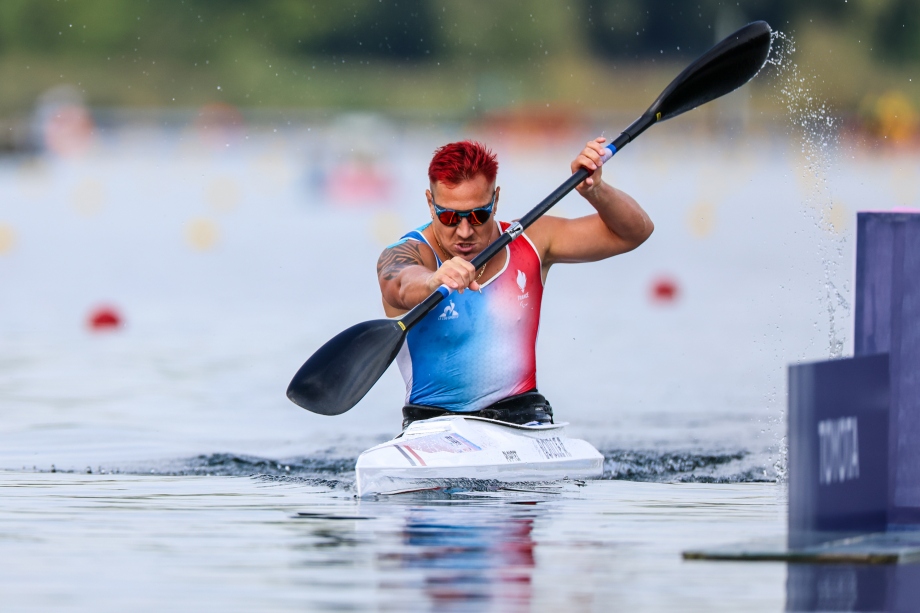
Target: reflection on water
(128,542)
(845,587)
(486,560)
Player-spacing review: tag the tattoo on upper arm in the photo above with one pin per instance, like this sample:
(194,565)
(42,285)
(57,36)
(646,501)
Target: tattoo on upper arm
(394,259)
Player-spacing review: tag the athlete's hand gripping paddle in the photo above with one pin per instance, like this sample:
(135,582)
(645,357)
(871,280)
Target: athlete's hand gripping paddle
(342,371)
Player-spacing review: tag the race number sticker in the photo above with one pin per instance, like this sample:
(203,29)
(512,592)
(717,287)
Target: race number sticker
(551,448)
(442,443)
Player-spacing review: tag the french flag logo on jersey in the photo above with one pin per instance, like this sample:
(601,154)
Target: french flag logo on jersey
(522,284)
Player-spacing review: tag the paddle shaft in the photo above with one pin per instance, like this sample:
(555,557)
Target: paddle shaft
(516,229)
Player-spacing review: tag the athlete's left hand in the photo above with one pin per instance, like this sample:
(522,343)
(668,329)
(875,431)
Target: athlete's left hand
(591,157)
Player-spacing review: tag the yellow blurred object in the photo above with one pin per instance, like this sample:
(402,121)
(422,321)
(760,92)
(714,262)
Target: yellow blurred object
(894,117)
(201,234)
(7,239)
(701,218)
(836,217)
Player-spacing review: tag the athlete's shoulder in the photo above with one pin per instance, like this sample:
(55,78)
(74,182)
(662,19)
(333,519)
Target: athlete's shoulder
(541,232)
(411,235)
(547,223)
(410,250)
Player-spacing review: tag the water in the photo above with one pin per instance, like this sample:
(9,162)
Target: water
(90,542)
(127,458)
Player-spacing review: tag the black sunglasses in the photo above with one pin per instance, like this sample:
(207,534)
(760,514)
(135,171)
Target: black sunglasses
(476,217)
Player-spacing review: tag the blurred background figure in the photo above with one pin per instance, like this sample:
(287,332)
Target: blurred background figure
(63,123)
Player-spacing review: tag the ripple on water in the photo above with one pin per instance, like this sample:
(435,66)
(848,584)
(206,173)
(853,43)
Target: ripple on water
(331,470)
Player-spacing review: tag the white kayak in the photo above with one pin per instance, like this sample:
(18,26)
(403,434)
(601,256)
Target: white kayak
(432,453)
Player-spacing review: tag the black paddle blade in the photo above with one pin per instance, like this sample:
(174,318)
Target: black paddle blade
(727,66)
(342,371)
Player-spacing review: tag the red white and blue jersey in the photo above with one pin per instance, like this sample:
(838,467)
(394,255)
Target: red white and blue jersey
(474,348)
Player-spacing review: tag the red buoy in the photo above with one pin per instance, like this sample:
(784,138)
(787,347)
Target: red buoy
(104,318)
(664,290)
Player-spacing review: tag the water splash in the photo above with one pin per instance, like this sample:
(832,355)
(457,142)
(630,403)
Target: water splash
(815,130)
(683,467)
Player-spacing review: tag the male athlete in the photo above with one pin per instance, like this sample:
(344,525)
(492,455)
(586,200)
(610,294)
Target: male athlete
(476,352)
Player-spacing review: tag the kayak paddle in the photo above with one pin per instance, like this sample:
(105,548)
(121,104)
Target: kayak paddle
(342,371)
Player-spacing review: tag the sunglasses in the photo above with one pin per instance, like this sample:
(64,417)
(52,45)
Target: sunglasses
(476,217)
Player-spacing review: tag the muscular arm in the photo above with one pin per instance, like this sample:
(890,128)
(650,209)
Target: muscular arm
(407,275)
(620,224)
(403,272)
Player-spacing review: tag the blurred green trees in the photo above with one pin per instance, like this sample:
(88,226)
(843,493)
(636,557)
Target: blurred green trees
(445,55)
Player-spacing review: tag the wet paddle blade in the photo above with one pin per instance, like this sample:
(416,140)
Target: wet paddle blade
(342,371)
(724,68)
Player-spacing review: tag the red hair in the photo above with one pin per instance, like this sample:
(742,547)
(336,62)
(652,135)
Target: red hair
(457,162)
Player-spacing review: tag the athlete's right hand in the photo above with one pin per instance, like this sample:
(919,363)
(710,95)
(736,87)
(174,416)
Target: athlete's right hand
(591,158)
(456,273)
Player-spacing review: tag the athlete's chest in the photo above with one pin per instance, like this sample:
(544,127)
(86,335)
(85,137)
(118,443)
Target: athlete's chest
(509,299)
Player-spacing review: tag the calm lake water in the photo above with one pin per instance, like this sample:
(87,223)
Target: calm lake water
(103,542)
(160,465)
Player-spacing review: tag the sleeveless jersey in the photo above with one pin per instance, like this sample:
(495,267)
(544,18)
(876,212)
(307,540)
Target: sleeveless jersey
(474,348)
